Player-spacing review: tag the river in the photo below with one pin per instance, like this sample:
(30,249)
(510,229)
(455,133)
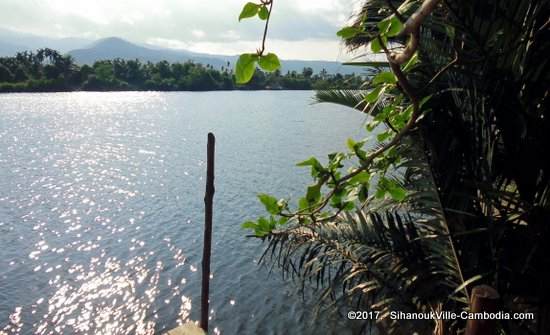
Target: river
(101,208)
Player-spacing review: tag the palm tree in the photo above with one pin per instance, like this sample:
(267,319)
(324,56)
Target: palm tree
(476,168)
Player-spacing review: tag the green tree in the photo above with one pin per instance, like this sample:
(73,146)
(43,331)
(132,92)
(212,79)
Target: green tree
(20,74)
(455,190)
(104,71)
(307,72)
(48,70)
(5,74)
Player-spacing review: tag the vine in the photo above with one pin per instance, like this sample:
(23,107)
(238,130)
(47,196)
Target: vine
(246,64)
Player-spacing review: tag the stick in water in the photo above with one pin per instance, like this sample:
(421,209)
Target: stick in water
(208,204)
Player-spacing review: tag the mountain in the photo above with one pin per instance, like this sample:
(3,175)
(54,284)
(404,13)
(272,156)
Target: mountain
(114,47)
(86,51)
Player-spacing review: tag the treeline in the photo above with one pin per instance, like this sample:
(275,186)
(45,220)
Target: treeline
(47,70)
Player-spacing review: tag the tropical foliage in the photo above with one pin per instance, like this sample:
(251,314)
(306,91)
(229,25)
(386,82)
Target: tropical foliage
(450,188)
(47,70)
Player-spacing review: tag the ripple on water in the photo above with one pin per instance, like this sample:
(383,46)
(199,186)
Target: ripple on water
(101,205)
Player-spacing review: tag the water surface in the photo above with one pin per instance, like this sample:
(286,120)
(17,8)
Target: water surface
(101,208)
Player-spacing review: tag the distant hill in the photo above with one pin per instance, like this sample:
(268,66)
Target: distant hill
(114,47)
(87,52)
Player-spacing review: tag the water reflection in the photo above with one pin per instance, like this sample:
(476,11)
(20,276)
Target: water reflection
(101,204)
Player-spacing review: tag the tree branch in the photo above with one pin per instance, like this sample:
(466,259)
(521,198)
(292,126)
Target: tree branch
(412,28)
(406,87)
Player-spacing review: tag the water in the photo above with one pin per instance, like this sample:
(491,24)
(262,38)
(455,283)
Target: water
(101,208)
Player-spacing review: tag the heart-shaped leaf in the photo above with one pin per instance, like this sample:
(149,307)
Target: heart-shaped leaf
(245,67)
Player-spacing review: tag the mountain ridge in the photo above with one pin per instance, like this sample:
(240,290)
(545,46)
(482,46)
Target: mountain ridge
(86,51)
(116,47)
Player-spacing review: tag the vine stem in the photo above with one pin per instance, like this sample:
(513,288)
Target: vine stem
(270,4)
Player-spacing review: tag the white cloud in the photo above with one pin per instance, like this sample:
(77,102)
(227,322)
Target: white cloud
(167,43)
(198,33)
(306,26)
(231,35)
(310,49)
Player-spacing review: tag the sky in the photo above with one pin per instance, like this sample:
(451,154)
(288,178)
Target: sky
(299,29)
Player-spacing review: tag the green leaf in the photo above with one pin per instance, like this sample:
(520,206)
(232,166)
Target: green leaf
(384,77)
(351,144)
(313,194)
(383,136)
(375,45)
(312,161)
(397,192)
(335,160)
(249,225)
(348,32)
(373,95)
(250,9)
(302,203)
(384,25)
(336,200)
(316,168)
(380,192)
(411,63)
(245,67)
(264,227)
(260,233)
(270,203)
(395,27)
(385,113)
(362,177)
(348,206)
(269,62)
(390,26)
(263,14)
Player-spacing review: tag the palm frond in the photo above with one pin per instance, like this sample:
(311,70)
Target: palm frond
(383,260)
(350,98)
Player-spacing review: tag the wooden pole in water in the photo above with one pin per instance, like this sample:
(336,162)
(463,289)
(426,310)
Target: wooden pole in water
(208,205)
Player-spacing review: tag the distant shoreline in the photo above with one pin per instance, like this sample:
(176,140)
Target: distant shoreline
(160,91)
(47,70)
